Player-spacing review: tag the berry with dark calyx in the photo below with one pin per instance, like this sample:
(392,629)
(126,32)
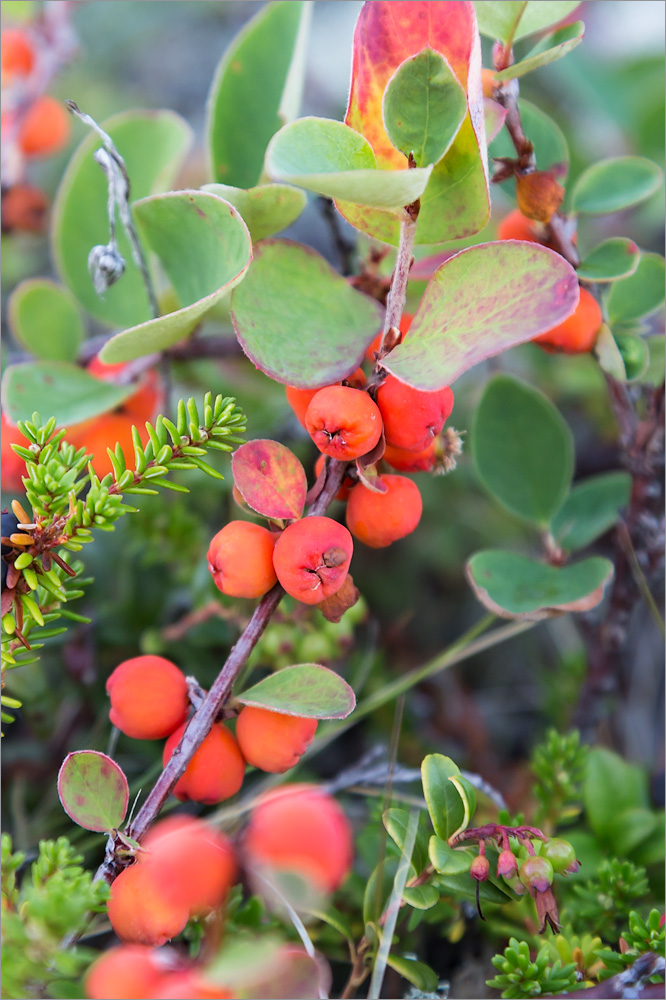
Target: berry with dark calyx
(412,418)
(561,854)
(312,558)
(343,422)
(536,873)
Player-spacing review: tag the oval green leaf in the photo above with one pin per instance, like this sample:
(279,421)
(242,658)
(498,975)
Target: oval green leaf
(298,320)
(514,586)
(611,786)
(444,803)
(423,107)
(614,258)
(205,249)
(306,690)
(332,159)
(421,897)
(592,507)
(559,44)
(93,790)
(153,145)
(46,320)
(448,860)
(463,885)
(550,146)
(59,389)
(641,294)
(510,20)
(267,209)
(522,449)
(635,355)
(613,185)
(270,479)
(468,313)
(257,88)
(418,973)
(396,822)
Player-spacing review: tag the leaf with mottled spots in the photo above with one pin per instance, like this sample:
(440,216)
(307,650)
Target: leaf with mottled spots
(456,201)
(515,586)
(93,790)
(298,320)
(307,690)
(205,249)
(479,303)
(270,479)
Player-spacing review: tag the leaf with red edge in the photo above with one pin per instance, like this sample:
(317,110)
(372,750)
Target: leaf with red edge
(307,690)
(479,303)
(93,790)
(456,201)
(270,479)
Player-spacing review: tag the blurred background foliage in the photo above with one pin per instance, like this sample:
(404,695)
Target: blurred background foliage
(152,591)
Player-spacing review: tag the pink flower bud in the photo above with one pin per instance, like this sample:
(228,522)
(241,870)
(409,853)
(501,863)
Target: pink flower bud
(507,864)
(480,869)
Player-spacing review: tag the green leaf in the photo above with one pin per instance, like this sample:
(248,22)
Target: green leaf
(514,586)
(256,89)
(298,320)
(58,388)
(153,145)
(338,921)
(46,320)
(423,107)
(612,185)
(608,354)
(270,478)
(421,897)
(635,355)
(418,973)
(396,822)
(611,786)
(550,146)
(610,260)
(465,886)
(629,829)
(549,49)
(205,249)
(332,159)
(267,209)
(641,294)
(522,449)
(446,808)
(307,690)
(468,314)
(591,508)
(447,860)
(511,20)
(93,790)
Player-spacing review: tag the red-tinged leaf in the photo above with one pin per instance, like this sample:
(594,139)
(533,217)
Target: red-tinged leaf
(479,303)
(270,479)
(456,200)
(93,790)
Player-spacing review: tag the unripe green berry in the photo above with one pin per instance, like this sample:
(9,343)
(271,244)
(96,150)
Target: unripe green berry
(561,855)
(536,873)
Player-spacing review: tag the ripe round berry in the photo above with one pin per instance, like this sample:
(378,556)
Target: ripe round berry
(148,697)
(240,558)
(378,519)
(45,128)
(272,741)
(516,226)
(412,418)
(18,55)
(578,333)
(124,972)
(312,558)
(216,770)
(140,910)
(343,422)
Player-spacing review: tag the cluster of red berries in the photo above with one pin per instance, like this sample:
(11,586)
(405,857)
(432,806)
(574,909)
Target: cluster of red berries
(297,828)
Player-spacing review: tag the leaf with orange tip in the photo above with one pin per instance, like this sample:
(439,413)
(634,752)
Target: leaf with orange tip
(456,200)
(270,478)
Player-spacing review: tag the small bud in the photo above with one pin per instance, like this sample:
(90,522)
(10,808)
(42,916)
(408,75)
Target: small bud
(106,265)
(507,864)
(480,869)
(539,194)
(536,873)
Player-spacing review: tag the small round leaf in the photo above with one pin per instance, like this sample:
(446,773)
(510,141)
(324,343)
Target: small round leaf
(93,790)
(270,479)
(307,690)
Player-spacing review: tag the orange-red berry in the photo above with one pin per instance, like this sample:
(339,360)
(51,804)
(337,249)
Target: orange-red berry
(24,207)
(45,128)
(300,399)
(412,418)
(140,910)
(488,82)
(301,828)
(411,461)
(312,557)
(124,972)
(578,333)
(190,984)
(216,770)
(272,741)
(515,226)
(196,861)
(13,467)
(240,558)
(378,519)
(148,697)
(17,54)
(141,405)
(344,423)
